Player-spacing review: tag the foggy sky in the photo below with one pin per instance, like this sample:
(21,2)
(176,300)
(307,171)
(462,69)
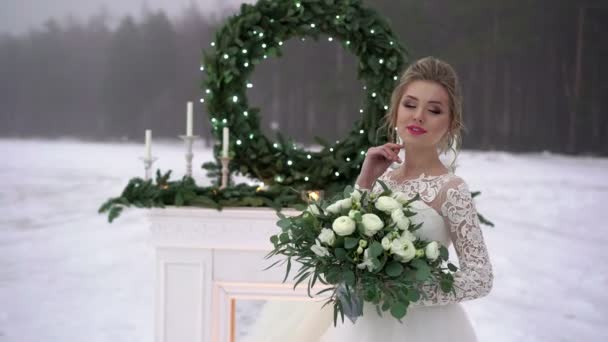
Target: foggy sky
(18,16)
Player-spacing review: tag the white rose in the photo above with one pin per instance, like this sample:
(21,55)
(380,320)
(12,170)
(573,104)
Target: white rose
(404,249)
(313,209)
(344,226)
(400,197)
(353,213)
(387,204)
(327,236)
(432,251)
(400,219)
(386,243)
(371,224)
(359,250)
(355,195)
(346,203)
(408,235)
(319,250)
(334,208)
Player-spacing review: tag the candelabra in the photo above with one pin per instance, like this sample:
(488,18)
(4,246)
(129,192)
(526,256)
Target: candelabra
(188,141)
(148,161)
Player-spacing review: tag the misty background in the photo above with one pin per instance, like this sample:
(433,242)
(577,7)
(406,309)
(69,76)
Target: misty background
(531,71)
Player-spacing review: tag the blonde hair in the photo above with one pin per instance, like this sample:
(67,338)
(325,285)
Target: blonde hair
(434,70)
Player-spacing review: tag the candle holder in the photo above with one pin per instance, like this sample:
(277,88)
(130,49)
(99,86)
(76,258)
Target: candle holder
(148,161)
(225,171)
(189,140)
(312,195)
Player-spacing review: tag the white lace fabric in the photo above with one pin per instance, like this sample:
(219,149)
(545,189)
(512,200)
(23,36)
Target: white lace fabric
(450,197)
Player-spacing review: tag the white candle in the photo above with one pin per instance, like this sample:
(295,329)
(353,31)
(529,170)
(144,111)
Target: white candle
(225,143)
(149,144)
(189,119)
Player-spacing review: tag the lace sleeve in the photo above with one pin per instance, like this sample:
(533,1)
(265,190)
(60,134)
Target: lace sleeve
(474,277)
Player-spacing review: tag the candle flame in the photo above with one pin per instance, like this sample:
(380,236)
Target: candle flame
(314,195)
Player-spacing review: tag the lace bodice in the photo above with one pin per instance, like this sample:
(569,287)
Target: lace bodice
(450,199)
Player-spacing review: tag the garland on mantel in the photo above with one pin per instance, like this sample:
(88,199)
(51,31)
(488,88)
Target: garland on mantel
(162,192)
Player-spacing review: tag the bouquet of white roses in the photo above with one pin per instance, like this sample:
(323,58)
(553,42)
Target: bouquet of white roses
(363,247)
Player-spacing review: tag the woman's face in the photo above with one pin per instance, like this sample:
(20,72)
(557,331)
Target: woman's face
(423,117)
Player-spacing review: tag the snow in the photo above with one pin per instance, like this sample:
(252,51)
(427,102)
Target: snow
(68,275)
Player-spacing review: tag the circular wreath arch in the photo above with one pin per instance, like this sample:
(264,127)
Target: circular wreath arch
(258,32)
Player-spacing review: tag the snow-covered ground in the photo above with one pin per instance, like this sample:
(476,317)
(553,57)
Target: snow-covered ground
(68,275)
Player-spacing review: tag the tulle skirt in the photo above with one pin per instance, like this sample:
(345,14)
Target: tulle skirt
(307,322)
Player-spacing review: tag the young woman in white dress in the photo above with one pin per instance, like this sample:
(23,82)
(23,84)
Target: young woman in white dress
(426,114)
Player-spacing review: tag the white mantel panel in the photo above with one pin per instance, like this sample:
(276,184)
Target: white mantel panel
(206,258)
(183,294)
(251,265)
(241,229)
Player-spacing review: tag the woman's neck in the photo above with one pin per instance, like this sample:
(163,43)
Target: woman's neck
(420,160)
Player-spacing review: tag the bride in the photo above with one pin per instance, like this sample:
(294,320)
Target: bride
(426,115)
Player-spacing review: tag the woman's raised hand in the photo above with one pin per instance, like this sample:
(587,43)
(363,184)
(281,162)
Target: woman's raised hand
(377,160)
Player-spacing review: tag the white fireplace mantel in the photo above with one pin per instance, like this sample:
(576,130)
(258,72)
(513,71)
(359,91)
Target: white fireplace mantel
(205,260)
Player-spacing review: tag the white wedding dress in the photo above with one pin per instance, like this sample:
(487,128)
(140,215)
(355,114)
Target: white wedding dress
(449,216)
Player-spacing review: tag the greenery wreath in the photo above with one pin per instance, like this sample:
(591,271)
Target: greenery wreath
(257,33)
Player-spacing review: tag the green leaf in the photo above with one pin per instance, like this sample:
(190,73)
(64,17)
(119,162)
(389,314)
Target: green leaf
(413,295)
(300,207)
(375,249)
(443,253)
(114,213)
(383,185)
(284,223)
(284,237)
(418,263)
(350,243)
(347,191)
(287,270)
(452,267)
(398,310)
(332,276)
(423,274)
(446,286)
(340,253)
(324,290)
(272,265)
(394,269)
(349,277)
(485,221)
(376,264)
